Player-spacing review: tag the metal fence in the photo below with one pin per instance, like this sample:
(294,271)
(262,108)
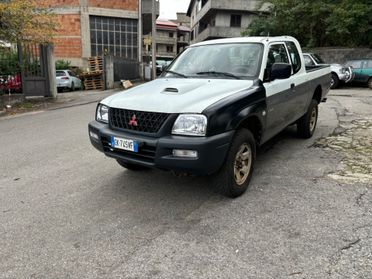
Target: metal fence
(125,69)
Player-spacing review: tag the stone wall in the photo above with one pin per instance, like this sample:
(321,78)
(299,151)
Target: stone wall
(341,55)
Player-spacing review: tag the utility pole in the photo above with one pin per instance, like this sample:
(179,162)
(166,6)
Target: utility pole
(153,39)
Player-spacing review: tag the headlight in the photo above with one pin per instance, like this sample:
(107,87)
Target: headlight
(102,113)
(190,125)
(342,70)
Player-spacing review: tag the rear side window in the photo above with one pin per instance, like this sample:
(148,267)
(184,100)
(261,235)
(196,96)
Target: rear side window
(369,64)
(295,56)
(60,73)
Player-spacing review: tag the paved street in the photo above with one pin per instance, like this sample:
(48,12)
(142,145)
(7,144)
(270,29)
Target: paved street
(66,211)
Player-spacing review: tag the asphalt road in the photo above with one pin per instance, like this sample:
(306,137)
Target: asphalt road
(66,211)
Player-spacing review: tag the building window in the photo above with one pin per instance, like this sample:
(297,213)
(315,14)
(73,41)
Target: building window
(171,35)
(236,21)
(114,36)
(169,48)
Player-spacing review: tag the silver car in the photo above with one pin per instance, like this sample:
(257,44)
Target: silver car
(339,73)
(66,79)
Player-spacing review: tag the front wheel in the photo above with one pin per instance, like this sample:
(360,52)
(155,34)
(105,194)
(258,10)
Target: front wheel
(234,177)
(334,81)
(370,83)
(130,166)
(306,124)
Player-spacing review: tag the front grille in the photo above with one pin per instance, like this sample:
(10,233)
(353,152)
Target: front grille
(141,121)
(145,153)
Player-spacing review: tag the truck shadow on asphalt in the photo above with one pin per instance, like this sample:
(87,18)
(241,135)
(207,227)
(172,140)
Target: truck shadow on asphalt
(165,185)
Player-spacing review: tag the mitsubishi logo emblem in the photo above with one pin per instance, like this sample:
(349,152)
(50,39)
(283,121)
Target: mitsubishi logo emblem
(133,121)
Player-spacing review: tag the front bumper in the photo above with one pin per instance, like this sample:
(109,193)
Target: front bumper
(157,152)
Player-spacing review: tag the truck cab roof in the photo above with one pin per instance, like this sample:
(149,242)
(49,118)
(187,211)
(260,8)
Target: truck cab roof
(263,40)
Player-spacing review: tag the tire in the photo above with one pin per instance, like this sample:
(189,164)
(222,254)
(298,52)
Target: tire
(334,81)
(306,124)
(72,88)
(130,166)
(370,83)
(229,180)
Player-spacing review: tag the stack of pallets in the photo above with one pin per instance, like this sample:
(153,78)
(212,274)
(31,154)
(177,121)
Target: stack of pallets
(93,79)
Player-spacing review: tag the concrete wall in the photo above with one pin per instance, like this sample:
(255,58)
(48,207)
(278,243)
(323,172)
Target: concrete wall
(341,55)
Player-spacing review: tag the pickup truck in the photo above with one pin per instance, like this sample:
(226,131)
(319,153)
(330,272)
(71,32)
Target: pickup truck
(339,73)
(210,110)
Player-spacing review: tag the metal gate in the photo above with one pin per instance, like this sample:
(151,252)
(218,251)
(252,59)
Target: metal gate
(34,69)
(125,69)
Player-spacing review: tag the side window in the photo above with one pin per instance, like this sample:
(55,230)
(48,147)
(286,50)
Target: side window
(295,56)
(71,73)
(308,61)
(355,64)
(369,64)
(277,54)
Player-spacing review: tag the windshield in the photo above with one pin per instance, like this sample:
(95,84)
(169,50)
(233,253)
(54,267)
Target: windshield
(238,61)
(318,59)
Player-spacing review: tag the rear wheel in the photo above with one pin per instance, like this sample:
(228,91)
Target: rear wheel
(334,81)
(306,124)
(130,166)
(234,177)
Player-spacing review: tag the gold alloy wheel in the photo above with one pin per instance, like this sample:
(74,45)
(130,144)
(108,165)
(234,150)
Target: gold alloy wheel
(242,164)
(313,119)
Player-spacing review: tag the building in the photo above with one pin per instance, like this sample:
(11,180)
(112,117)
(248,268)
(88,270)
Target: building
(212,19)
(172,37)
(183,31)
(94,27)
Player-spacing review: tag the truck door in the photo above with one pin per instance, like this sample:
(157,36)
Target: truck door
(278,93)
(300,87)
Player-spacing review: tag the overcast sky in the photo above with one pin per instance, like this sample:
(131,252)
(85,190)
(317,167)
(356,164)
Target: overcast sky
(169,8)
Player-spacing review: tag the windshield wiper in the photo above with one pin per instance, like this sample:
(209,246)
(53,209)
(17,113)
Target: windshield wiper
(175,73)
(218,73)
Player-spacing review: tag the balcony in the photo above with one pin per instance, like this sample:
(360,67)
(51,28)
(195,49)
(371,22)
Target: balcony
(218,32)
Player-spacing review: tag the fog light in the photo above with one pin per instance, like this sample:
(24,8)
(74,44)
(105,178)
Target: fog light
(185,153)
(93,135)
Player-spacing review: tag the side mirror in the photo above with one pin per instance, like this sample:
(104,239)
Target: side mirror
(280,71)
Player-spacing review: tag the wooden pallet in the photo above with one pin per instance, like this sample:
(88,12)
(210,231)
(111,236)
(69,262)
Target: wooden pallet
(93,83)
(95,63)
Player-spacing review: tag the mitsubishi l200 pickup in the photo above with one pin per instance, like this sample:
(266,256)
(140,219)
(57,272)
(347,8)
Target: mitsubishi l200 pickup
(210,110)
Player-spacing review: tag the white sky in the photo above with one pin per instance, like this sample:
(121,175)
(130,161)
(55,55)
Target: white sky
(169,8)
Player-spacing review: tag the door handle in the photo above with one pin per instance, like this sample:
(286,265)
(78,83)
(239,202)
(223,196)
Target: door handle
(292,86)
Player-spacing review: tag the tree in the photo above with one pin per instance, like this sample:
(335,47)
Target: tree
(25,21)
(318,23)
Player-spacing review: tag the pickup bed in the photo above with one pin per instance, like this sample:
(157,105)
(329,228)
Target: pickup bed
(210,110)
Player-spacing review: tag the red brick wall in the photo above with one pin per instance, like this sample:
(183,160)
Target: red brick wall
(61,3)
(64,45)
(129,5)
(67,47)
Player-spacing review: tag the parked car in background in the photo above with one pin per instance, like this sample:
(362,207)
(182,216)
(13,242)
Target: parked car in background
(66,79)
(339,73)
(362,70)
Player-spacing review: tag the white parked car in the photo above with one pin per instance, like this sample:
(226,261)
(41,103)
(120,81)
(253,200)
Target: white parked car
(66,79)
(339,73)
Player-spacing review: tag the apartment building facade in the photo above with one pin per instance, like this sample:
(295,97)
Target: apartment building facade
(95,27)
(212,19)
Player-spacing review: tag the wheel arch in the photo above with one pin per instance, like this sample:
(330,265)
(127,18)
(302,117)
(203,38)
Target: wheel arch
(318,94)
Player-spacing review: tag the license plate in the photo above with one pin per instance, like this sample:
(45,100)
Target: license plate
(124,144)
